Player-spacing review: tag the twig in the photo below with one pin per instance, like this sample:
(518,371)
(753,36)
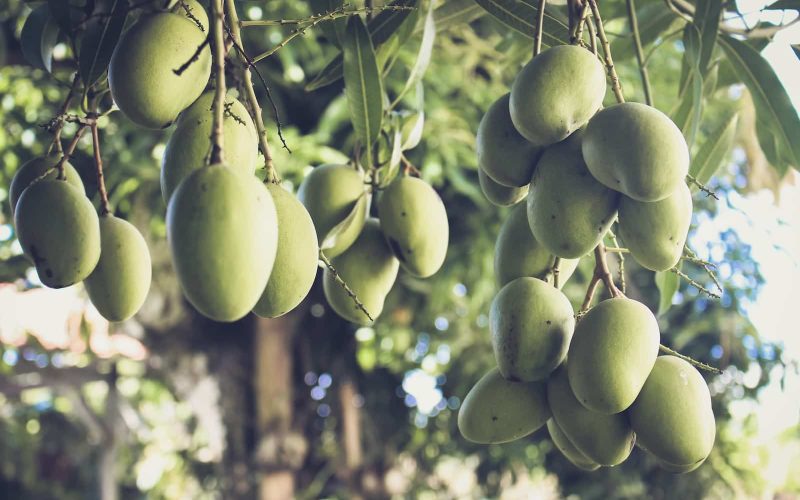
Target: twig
(692,361)
(98,164)
(701,186)
(336,14)
(296,33)
(409,167)
(601,274)
(577,37)
(592,35)
(637,43)
(537,38)
(217,135)
(188,13)
(707,266)
(55,146)
(556,270)
(621,259)
(601,33)
(344,285)
(67,153)
(694,283)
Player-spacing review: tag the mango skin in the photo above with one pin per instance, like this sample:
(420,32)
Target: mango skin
(612,352)
(605,439)
(568,210)
(141,77)
(329,193)
(568,449)
(369,268)
(222,230)
(518,254)
(656,232)
(296,261)
(58,228)
(414,221)
(672,415)
(556,93)
(636,150)
(33,169)
(531,324)
(190,143)
(119,283)
(503,154)
(499,195)
(497,410)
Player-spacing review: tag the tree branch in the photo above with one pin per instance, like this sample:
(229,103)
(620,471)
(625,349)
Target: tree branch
(601,33)
(344,285)
(217,135)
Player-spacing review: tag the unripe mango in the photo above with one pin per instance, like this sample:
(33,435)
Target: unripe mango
(296,261)
(141,73)
(500,195)
(36,168)
(414,221)
(672,415)
(119,283)
(223,233)
(612,353)
(329,193)
(58,229)
(369,268)
(503,154)
(655,232)
(556,93)
(568,449)
(531,323)
(190,143)
(518,254)
(604,439)
(637,150)
(568,210)
(497,410)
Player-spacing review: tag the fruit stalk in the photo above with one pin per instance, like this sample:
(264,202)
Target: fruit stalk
(692,361)
(55,147)
(68,152)
(217,137)
(637,43)
(537,39)
(345,286)
(98,163)
(601,33)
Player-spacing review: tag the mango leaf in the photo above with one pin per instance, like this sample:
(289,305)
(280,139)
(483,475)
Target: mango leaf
(332,29)
(99,41)
(38,38)
(654,19)
(706,17)
(388,172)
(455,13)
(768,141)
(65,12)
(714,151)
(772,103)
(784,5)
(796,50)
(667,283)
(689,110)
(348,229)
(521,16)
(423,56)
(411,130)
(388,51)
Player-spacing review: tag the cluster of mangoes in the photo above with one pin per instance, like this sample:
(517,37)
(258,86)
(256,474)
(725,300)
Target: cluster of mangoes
(598,384)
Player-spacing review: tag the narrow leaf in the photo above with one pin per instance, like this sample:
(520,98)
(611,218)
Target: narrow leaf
(348,229)
(689,111)
(99,42)
(412,130)
(667,283)
(331,73)
(521,16)
(706,17)
(332,29)
(714,151)
(455,13)
(423,56)
(38,38)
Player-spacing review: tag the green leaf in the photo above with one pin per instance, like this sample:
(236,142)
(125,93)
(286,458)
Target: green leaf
(772,103)
(455,13)
(362,84)
(333,29)
(714,151)
(654,19)
(706,17)
(99,41)
(784,5)
(331,73)
(412,127)
(667,283)
(690,107)
(65,14)
(423,56)
(348,228)
(521,17)
(38,38)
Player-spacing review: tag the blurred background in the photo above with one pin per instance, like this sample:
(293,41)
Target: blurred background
(171,405)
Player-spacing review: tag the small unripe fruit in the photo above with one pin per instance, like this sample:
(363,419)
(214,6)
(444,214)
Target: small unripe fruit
(36,168)
(497,194)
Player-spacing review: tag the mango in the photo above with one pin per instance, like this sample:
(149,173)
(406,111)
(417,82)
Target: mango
(604,439)
(500,195)
(414,221)
(190,143)
(36,168)
(556,93)
(518,254)
(568,449)
(531,323)
(636,150)
(503,154)
(329,193)
(59,230)
(568,210)
(497,410)
(141,73)
(612,353)
(369,268)
(296,261)
(656,232)
(222,231)
(672,415)
(119,283)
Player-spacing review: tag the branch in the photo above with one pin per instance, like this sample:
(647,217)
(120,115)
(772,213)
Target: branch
(344,285)
(695,284)
(57,124)
(637,43)
(217,135)
(98,164)
(601,274)
(691,361)
(601,33)
(621,259)
(335,14)
(701,186)
(199,50)
(537,38)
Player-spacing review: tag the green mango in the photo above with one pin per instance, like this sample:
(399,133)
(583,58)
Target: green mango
(59,230)
(497,410)
(193,7)
(36,168)
(611,354)
(504,155)
(568,449)
(369,268)
(556,93)
(190,143)
(119,283)
(531,323)
(568,210)
(603,439)
(656,232)
(222,230)
(518,254)
(498,194)
(672,415)
(296,261)
(329,193)
(414,222)
(636,150)
(141,73)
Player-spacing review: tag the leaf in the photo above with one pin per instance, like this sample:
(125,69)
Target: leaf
(348,229)
(654,19)
(388,172)
(331,73)
(64,14)
(521,17)
(667,283)
(38,38)
(99,41)
(714,151)
(423,56)
(772,103)
(333,29)
(455,13)
(689,111)
(362,84)
(706,17)
(784,5)
(411,129)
